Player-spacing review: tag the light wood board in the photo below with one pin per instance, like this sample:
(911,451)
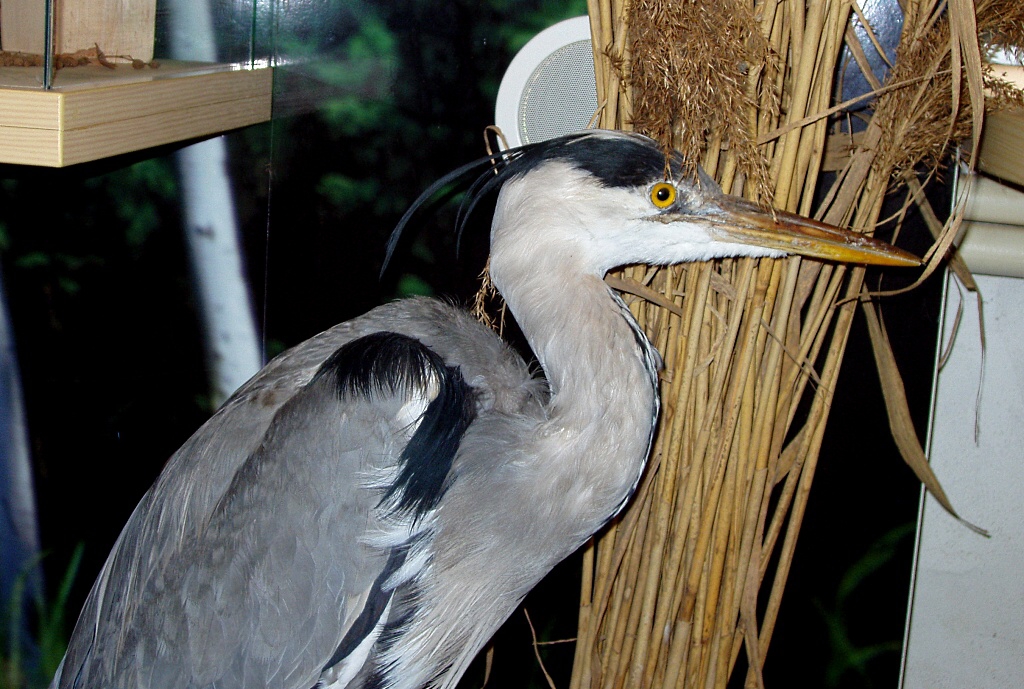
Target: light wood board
(96,119)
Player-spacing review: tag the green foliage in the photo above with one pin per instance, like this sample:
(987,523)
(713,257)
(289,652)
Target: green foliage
(134,190)
(64,267)
(412,286)
(367,61)
(345,192)
(64,242)
(549,12)
(46,649)
(361,75)
(53,623)
(274,347)
(848,657)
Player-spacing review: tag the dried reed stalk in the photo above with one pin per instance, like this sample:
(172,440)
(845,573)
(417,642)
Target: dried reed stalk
(675,590)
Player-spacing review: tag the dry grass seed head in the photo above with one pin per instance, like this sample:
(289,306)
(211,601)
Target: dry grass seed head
(918,122)
(690,62)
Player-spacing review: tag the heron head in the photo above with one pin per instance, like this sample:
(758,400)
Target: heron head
(607,198)
(613,198)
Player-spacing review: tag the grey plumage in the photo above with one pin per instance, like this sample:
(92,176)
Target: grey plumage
(250,527)
(369,508)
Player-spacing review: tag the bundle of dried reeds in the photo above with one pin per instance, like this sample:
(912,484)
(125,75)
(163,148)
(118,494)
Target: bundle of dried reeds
(674,591)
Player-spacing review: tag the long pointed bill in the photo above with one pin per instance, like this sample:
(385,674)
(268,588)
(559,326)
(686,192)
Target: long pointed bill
(743,222)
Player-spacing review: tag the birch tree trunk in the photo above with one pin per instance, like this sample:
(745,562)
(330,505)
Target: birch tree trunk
(231,340)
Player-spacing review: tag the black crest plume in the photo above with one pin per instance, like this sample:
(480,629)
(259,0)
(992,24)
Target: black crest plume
(614,158)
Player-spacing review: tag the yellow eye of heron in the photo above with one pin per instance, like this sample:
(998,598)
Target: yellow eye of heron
(663,194)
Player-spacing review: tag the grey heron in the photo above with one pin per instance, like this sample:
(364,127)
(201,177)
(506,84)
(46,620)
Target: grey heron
(373,504)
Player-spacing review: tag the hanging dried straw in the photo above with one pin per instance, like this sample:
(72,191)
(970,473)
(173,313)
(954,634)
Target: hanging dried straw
(676,590)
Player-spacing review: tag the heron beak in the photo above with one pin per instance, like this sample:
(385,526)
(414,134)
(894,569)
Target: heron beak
(744,222)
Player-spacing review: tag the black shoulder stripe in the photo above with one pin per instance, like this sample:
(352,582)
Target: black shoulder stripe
(388,362)
(428,457)
(370,615)
(380,362)
(406,605)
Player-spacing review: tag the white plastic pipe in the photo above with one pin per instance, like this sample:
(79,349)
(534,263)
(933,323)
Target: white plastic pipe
(992,236)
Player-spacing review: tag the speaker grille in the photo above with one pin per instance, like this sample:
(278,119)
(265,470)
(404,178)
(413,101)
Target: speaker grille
(560,96)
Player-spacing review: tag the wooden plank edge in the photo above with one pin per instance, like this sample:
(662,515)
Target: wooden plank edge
(29,109)
(89,107)
(138,133)
(24,146)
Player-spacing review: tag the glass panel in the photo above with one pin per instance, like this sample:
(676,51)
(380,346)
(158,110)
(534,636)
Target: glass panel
(99,41)
(23,30)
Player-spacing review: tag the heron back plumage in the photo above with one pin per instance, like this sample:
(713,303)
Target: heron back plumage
(177,605)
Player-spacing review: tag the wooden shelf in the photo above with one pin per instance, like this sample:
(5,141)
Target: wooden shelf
(95,112)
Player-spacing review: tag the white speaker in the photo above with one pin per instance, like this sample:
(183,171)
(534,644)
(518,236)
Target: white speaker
(548,89)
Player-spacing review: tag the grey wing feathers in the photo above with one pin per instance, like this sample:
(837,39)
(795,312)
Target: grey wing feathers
(265,539)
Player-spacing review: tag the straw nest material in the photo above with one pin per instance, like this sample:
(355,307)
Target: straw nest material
(692,576)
